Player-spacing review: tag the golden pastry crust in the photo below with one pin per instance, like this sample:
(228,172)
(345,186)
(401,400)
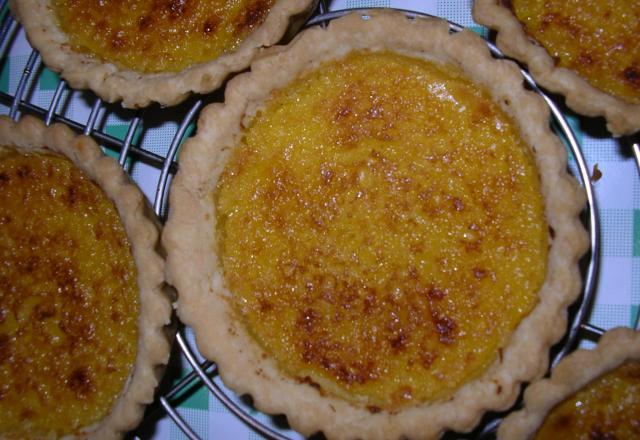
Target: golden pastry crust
(191,231)
(155,329)
(136,89)
(572,373)
(623,118)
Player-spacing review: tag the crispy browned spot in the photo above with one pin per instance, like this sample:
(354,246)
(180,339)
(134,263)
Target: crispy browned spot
(80,382)
(445,327)
(632,76)
(563,422)
(308,319)
(596,433)
(506,3)
(585,58)
(4,347)
(211,24)
(252,15)
(145,22)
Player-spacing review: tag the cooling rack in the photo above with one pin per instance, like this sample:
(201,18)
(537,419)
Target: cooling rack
(130,144)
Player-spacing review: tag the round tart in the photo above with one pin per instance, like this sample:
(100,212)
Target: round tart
(371,214)
(586,51)
(84,311)
(143,51)
(590,394)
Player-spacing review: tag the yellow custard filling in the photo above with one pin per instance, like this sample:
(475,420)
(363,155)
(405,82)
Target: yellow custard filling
(68,298)
(159,35)
(607,408)
(382,230)
(596,38)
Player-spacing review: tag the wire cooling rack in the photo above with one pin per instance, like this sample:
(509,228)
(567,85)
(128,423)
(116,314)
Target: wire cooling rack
(128,147)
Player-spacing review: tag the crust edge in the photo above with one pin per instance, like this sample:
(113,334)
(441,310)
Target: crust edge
(155,320)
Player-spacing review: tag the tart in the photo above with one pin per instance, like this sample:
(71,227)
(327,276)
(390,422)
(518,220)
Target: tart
(586,51)
(590,394)
(84,313)
(143,51)
(357,205)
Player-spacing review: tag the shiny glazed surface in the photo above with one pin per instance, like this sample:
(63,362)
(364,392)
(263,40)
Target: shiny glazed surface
(68,298)
(159,35)
(382,230)
(607,408)
(596,38)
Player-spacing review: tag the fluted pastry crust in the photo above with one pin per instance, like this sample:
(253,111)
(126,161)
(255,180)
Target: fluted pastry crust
(203,294)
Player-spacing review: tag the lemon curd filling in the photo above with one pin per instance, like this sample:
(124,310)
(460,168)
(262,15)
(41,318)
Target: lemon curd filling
(382,230)
(596,38)
(159,35)
(68,298)
(607,408)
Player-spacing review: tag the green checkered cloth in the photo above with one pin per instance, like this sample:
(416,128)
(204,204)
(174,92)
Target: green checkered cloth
(617,193)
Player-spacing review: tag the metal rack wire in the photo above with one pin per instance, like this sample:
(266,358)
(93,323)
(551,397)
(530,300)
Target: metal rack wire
(204,372)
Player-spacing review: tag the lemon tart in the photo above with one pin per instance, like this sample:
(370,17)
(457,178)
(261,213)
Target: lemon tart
(590,394)
(84,314)
(587,51)
(371,215)
(143,51)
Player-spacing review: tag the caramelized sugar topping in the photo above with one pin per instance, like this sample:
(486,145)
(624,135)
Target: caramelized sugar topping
(382,229)
(68,298)
(596,38)
(159,35)
(607,408)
